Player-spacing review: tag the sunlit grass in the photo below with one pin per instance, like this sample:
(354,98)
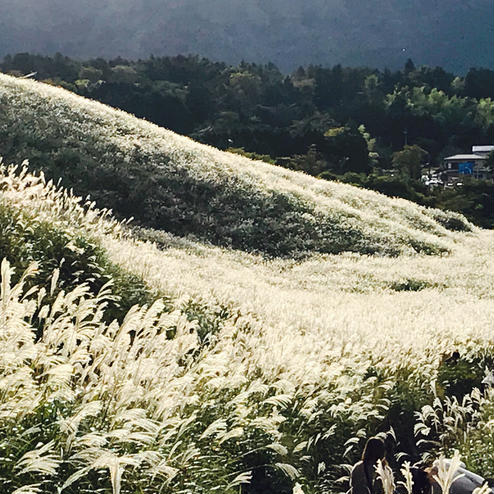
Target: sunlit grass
(252,366)
(309,358)
(170,182)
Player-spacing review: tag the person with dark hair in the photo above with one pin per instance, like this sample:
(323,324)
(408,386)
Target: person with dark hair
(420,481)
(424,481)
(362,478)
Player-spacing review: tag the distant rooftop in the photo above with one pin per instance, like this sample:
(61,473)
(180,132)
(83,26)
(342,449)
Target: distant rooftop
(465,157)
(482,149)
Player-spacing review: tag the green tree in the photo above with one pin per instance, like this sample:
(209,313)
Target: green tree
(90,73)
(409,161)
(246,89)
(312,162)
(479,83)
(371,145)
(409,66)
(123,74)
(372,89)
(346,147)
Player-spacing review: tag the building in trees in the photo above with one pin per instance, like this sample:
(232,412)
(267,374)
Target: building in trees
(473,165)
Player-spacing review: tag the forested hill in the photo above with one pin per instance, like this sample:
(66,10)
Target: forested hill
(349,124)
(455,35)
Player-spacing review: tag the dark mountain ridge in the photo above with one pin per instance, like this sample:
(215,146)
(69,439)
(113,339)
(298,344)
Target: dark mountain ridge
(455,35)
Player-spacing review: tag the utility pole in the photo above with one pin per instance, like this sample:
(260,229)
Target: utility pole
(405,133)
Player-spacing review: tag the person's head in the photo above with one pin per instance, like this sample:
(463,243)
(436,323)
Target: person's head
(431,472)
(420,479)
(374,450)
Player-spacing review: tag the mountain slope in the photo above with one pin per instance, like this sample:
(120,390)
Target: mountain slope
(172,183)
(265,373)
(379,33)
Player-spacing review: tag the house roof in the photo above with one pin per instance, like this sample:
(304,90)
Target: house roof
(482,149)
(464,157)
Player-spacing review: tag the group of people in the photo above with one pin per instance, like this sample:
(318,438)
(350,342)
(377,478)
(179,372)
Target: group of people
(424,480)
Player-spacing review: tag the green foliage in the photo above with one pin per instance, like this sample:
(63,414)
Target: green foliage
(392,185)
(348,148)
(457,376)
(479,83)
(91,74)
(450,221)
(285,118)
(312,163)
(209,318)
(489,162)
(187,401)
(77,258)
(478,444)
(474,199)
(461,420)
(252,156)
(409,285)
(409,161)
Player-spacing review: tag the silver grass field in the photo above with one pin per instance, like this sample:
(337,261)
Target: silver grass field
(308,357)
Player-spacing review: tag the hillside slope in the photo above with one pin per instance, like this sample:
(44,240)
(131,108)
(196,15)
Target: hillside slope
(172,183)
(268,374)
(379,33)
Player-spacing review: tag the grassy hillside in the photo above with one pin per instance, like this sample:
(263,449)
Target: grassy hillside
(142,360)
(172,183)
(250,375)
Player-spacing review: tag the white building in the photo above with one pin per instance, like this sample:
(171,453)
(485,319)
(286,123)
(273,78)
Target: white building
(482,150)
(473,165)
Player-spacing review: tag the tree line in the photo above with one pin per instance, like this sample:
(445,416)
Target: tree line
(373,128)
